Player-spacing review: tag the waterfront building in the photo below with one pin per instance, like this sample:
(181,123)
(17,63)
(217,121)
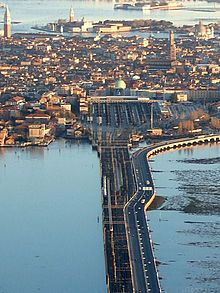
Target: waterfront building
(7,23)
(3,135)
(204,31)
(36,131)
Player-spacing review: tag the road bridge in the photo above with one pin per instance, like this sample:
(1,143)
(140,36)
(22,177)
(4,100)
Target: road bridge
(142,261)
(143,266)
(183,142)
(128,191)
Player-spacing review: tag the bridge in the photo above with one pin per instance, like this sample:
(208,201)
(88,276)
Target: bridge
(183,142)
(142,261)
(128,190)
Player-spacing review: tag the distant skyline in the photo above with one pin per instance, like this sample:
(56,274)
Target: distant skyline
(40,12)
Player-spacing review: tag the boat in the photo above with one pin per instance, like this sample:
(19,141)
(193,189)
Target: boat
(144,6)
(133,6)
(166,5)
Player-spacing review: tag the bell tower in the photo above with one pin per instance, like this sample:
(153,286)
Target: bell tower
(172,47)
(7,23)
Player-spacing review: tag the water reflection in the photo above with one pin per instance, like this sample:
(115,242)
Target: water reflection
(49,203)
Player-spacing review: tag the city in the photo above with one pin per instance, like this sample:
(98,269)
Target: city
(116,92)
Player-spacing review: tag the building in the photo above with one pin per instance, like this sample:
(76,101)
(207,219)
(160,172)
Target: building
(84,106)
(37,118)
(120,87)
(157,63)
(15,101)
(36,131)
(204,31)
(172,47)
(3,136)
(155,131)
(181,97)
(7,23)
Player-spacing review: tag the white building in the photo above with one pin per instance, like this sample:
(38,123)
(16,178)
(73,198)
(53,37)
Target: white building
(204,31)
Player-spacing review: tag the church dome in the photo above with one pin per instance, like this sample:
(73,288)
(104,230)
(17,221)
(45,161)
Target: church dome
(120,84)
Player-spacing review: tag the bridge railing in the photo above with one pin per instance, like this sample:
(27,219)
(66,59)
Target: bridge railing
(180,143)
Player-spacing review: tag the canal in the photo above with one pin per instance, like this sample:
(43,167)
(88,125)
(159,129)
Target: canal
(51,238)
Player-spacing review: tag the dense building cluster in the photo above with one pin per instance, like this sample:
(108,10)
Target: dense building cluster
(30,64)
(48,75)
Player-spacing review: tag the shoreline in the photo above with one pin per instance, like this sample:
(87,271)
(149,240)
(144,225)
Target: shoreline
(29,144)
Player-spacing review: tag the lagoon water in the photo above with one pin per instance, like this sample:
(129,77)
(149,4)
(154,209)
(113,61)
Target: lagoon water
(187,244)
(40,12)
(50,199)
(51,241)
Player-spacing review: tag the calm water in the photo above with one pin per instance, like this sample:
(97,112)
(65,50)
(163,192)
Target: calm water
(188,244)
(51,241)
(32,12)
(50,199)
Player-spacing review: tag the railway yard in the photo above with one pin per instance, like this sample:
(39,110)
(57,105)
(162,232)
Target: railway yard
(111,126)
(130,117)
(117,188)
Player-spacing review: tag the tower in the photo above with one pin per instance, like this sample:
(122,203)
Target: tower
(7,23)
(202,29)
(172,47)
(152,116)
(71,19)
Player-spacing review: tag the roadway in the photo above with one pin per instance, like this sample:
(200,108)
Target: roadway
(143,266)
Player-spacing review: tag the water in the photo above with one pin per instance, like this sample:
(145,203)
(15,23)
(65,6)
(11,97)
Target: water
(40,12)
(187,244)
(50,238)
(50,199)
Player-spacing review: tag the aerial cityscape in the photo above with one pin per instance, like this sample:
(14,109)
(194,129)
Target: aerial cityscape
(109,146)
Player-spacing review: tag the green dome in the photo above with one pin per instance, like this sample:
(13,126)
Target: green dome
(120,84)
